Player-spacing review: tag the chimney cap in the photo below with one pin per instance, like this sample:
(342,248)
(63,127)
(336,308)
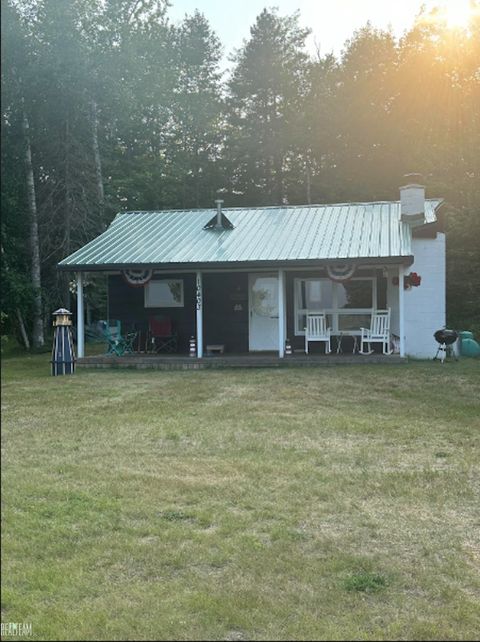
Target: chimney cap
(413,179)
(412,185)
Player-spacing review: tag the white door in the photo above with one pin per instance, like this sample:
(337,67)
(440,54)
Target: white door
(263,305)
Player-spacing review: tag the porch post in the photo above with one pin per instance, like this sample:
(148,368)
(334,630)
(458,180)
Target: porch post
(80,317)
(281,313)
(199,295)
(401,311)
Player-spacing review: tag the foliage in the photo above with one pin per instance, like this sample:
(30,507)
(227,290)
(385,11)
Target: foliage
(266,93)
(129,111)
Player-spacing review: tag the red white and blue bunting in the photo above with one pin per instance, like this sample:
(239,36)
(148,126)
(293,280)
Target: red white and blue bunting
(137,278)
(340,271)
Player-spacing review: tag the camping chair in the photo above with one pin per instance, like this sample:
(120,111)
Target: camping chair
(129,341)
(317,330)
(162,337)
(115,342)
(379,332)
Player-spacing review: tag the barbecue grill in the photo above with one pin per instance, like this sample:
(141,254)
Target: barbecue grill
(445,338)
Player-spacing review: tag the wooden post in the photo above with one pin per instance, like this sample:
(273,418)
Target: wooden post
(401,311)
(281,313)
(80,317)
(199,297)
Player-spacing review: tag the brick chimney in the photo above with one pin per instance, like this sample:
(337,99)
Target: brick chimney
(412,200)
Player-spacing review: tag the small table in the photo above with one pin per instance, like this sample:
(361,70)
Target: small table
(347,333)
(218,348)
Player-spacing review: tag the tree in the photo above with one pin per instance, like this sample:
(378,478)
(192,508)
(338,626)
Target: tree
(438,116)
(266,101)
(195,133)
(14,111)
(364,156)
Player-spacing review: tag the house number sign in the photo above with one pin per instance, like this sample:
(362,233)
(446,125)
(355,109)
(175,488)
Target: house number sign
(198,294)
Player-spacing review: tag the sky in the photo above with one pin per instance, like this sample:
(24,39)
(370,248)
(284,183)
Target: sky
(331,21)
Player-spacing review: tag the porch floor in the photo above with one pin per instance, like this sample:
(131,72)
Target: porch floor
(249,360)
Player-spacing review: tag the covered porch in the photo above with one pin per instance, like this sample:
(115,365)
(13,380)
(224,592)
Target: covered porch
(241,316)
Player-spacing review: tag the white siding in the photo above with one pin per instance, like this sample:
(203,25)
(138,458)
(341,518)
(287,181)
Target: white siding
(425,305)
(392,300)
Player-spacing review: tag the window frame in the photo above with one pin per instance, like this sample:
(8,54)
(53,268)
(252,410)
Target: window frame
(163,304)
(334,312)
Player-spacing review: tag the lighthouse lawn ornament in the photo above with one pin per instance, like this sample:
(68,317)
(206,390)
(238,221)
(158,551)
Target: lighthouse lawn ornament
(63,355)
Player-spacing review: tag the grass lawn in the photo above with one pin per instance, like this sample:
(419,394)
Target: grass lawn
(321,503)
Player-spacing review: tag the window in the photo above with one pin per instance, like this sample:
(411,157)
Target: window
(312,295)
(356,293)
(164,294)
(348,305)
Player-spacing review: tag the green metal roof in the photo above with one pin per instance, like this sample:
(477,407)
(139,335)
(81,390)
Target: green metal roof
(263,234)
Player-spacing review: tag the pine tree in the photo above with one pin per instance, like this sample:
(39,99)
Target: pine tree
(266,100)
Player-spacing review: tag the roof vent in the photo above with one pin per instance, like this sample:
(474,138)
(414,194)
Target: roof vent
(412,200)
(219,221)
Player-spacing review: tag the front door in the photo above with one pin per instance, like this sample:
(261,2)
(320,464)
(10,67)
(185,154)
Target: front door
(263,306)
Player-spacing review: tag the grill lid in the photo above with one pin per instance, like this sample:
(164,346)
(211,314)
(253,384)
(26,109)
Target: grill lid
(446,336)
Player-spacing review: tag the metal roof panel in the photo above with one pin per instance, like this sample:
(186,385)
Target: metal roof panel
(286,233)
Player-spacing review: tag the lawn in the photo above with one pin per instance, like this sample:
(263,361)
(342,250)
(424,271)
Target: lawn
(321,503)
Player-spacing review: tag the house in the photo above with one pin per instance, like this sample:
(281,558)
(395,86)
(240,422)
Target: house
(245,278)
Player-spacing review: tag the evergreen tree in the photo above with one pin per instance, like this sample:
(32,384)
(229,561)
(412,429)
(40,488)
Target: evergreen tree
(195,133)
(266,101)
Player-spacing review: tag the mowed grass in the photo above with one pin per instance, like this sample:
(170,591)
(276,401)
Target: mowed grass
(323,503)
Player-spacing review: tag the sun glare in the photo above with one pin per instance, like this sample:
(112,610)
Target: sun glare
(456,13)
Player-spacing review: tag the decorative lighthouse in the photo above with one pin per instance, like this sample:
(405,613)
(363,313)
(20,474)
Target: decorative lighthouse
(63,355)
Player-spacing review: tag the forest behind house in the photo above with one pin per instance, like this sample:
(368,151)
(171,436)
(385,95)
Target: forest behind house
(107,106)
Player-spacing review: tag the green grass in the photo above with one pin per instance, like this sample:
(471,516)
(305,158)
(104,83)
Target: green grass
(321,503)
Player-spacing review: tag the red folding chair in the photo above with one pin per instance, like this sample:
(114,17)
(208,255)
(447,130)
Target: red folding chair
(161,335)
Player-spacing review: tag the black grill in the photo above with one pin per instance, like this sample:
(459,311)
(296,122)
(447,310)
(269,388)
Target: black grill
(446,337)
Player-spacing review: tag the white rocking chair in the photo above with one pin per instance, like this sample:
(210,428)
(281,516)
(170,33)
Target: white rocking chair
(379,332)
(317,330)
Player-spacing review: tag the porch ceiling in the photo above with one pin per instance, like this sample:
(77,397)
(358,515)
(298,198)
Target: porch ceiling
(299,235)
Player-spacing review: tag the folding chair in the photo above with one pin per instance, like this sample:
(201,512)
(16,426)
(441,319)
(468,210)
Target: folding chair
(129,341)
(118,344)
(162,336)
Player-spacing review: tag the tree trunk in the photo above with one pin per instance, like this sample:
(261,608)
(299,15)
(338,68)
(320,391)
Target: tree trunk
(308,182)
(279,195)
(38,338)
(98,164)
(23,332)
(68,209)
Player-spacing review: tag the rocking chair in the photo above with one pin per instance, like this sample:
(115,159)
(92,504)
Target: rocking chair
(379,332)
(317,330)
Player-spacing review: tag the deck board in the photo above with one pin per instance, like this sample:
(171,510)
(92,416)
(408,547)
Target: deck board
(185,362)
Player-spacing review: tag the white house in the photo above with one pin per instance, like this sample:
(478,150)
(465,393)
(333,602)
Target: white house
(246,278)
